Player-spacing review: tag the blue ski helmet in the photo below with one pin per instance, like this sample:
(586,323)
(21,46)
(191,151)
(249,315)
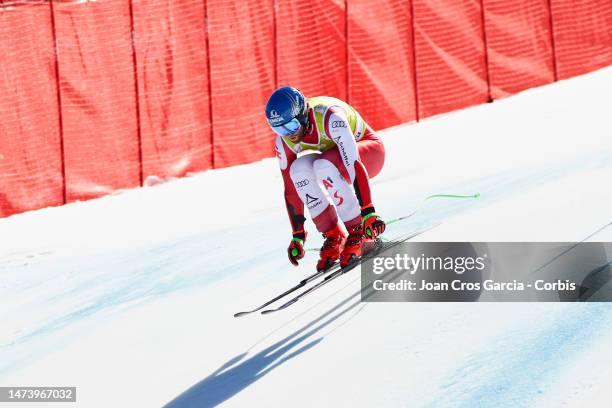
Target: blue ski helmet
(286,110)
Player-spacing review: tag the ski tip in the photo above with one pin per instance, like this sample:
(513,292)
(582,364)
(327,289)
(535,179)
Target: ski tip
(286,305)
(240,314)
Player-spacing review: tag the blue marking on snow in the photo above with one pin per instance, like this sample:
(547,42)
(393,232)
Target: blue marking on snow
(515,370)
(105,283)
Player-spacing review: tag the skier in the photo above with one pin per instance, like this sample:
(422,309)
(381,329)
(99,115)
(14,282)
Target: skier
(349,152)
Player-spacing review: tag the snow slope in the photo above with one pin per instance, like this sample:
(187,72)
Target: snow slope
(130,297)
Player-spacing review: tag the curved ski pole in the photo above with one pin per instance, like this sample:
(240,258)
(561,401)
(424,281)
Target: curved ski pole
(394,220)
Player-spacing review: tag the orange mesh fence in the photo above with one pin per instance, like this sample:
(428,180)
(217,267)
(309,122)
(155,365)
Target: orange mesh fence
(174,105)
(30,144)
(583,35)
(241,47)
(311,46)
(381,61)
(98,97)
(519,46)
(450,55)
(140,88)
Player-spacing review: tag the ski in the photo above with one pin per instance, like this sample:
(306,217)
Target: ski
(342,271)
(302,283)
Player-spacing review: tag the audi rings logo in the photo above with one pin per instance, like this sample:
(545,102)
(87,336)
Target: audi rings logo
(302,183)
(338,124)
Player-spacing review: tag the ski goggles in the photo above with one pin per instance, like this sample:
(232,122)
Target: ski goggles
(289,128)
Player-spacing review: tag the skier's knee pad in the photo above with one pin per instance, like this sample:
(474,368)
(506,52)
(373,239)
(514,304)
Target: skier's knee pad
(305,181)
(339,190)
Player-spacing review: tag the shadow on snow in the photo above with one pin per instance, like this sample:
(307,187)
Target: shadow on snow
(229,379)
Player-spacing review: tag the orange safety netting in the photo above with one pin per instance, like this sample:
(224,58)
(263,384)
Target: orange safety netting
(98,97)
(241,48)
(583,35)
(311,46)
(519,46)
(450,55)
(174,104)
(141,88)
(381,61)
(30,144)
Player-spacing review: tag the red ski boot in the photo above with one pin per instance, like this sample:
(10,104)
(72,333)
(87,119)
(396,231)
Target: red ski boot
(332,247)
(353,247)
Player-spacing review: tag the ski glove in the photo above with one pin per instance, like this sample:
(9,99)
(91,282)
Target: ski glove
(373,225)
(296,248)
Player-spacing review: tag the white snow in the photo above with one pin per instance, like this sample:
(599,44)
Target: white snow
(130,297)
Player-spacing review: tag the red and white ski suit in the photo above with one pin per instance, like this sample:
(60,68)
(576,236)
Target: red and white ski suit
(344,153)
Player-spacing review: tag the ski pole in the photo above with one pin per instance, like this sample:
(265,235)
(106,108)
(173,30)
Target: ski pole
(394,220)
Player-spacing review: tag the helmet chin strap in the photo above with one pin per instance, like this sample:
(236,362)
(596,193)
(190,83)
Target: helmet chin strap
(305,120)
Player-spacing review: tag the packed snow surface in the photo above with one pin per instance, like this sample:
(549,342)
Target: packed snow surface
(131,297)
